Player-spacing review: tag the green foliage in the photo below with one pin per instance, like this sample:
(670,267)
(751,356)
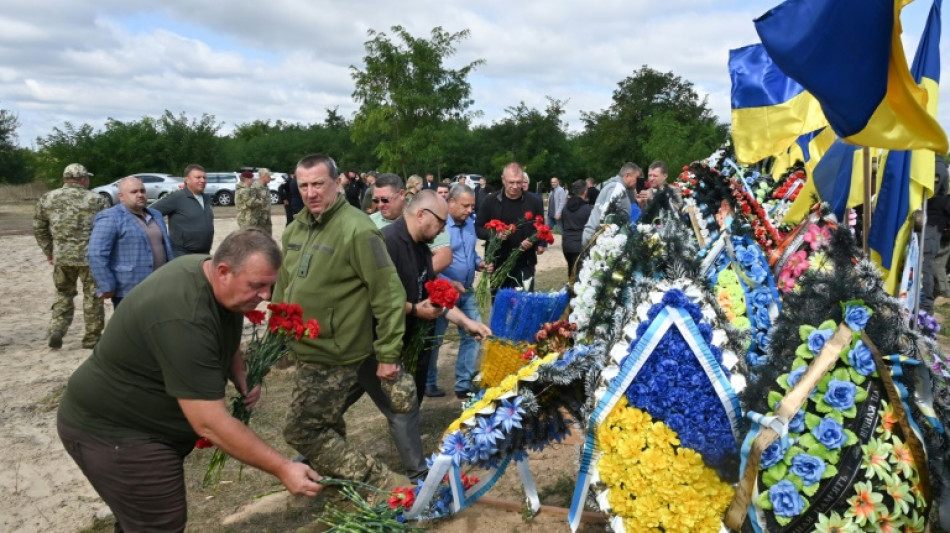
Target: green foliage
(409,99)
(653,116)
(164,144)
(15,162)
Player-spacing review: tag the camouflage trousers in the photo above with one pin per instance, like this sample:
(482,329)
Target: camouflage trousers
(315,425)
(64,279)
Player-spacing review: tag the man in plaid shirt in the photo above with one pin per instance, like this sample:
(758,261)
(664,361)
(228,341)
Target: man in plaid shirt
(128,242)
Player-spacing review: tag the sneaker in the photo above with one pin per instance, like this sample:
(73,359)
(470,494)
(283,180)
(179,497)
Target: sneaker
(56,340)
(434,392)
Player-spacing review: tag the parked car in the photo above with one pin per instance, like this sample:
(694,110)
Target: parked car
(468,179)
(157,186)
(221,187)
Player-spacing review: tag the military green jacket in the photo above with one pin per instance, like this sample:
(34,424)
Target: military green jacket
(253,206)
(62,223)
(337,269)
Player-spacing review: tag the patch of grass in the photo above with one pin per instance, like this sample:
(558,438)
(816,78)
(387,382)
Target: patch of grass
(51,401)
(99,525)
(23,192)
(941,312)
(559,492)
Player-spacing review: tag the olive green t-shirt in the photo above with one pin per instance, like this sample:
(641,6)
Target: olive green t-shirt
(169,339)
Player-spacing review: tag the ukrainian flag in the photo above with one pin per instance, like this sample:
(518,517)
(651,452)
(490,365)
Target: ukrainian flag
(908,177)
(769,110)
(839,178)
(818,144)
(848,55)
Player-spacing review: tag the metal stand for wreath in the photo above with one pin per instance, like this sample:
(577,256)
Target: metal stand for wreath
(444,465)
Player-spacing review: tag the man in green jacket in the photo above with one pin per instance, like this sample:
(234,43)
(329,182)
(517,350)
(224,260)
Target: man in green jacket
(337,269)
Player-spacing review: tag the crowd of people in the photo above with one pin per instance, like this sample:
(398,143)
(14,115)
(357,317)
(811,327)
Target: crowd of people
(356,254)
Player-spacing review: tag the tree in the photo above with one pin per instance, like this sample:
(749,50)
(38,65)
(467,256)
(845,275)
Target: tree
(653,115)
(408,98)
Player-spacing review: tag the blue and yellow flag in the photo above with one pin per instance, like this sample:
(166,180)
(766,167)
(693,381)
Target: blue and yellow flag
(848,55)
(769,110)
(907,177)
(839,177)
(818,143)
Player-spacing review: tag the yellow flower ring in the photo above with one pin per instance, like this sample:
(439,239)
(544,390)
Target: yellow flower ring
(652,484)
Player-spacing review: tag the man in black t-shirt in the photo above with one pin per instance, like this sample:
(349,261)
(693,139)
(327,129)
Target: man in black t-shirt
(156,381)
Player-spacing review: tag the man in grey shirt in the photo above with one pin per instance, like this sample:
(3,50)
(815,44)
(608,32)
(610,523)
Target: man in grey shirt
(190,218)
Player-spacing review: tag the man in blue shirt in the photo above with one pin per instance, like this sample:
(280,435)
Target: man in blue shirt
(461,272)
(128,242)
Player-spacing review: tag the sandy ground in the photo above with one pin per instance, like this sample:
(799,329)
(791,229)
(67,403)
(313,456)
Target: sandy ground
(41,489)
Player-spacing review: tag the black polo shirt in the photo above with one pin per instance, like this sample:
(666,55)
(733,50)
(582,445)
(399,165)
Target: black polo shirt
(413,262)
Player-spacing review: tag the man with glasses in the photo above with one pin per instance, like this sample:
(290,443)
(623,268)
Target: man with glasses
(406,239)
(389,196)
(510,206)
(190,219)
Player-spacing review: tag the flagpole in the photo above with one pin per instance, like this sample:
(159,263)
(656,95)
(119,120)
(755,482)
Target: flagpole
(918,274)
(866,212)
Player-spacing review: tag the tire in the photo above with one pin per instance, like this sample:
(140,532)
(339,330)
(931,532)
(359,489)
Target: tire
(274,198)
(224,198)
(106,197)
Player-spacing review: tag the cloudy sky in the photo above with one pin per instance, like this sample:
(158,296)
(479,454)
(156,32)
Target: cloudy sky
(85,61)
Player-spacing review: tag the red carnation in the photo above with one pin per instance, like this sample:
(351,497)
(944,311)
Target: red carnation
(442,293)
(204,443)
(256,317)
(402,497)
(529,215)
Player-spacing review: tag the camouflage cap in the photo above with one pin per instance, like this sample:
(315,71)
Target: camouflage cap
(75,170)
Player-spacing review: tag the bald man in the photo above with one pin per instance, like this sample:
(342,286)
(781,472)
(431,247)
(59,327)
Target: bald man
(129,241)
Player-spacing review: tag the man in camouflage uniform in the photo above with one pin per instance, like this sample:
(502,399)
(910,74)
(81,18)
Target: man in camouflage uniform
(253,201)
(62,222)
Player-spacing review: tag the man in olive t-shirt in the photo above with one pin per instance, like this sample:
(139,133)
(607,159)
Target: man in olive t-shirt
(156,382)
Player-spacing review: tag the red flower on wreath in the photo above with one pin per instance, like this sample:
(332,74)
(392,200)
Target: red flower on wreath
(442,293)
(402,497)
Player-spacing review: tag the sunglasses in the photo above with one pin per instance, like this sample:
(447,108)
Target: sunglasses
(382,200)
(441,220)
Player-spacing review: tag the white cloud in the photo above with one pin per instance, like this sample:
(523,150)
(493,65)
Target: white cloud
(84,61)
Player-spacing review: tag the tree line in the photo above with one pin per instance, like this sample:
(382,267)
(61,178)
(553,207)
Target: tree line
(415,116)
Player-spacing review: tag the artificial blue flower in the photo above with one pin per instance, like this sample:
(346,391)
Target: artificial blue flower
(808,467)
(508,414)
(796,375)
(856,316)
(746,256)
(675,298)
(484,438)
(774,453)
(797,423)
(786,501)
(761,297)
(861,359)
(762,319)
(840,394)
(757,273)
(830,433)
(818,338)
(763,340)
(755,359)
(458,447)
(706,332)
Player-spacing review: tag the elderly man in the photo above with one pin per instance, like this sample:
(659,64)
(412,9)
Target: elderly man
(556,201)
(62,222)
(129,241)
(190,218)
(337,269)
(252,200)
(136,407)
(461,273)
(389,195)
(510,205)
(620,189)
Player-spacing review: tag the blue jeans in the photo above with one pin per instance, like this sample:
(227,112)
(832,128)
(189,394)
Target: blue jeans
(465,364)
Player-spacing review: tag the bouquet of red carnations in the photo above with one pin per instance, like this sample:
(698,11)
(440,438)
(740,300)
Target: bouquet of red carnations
(441,294)
(286,324)
(542,233)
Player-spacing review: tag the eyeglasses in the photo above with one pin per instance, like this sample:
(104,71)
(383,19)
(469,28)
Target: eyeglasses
(442,221)
(382,200)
